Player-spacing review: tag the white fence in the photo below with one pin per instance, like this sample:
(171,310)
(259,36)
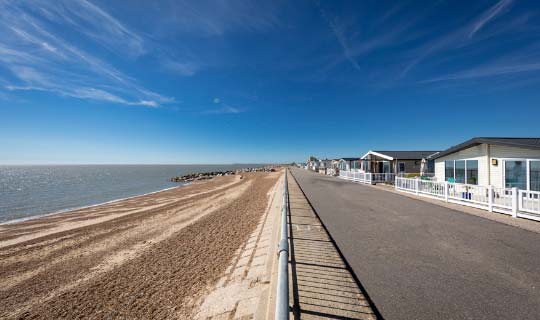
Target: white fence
(522,203)
(366,177)
(529,204)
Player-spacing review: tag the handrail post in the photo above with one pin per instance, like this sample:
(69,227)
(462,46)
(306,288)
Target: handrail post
(490,198)
(515,197)
(282,295)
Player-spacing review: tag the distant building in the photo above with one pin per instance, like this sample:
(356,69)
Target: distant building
(398,162)
(501,162)
(348,164)
(312,164)
(325,166)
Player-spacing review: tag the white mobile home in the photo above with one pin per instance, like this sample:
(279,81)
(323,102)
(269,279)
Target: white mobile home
(325,166)
(348,164)
(400,162)
(501,162)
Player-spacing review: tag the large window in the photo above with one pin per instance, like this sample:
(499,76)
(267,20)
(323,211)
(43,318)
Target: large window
(460,171)
(515,174)
(534,175)
(449,170)
(472,171)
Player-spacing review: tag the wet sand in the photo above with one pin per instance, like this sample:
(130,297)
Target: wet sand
(149,257)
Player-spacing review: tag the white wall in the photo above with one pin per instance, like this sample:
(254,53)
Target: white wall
(474,153)
(501,153)
(480,153)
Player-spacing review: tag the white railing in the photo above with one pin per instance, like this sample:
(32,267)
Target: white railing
(431,187)
(468,193)
(529,201)
(502,198)
(383,177)
(406,184)
(524,203)
(355,176)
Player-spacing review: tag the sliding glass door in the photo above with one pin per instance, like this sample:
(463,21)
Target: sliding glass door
(534,175)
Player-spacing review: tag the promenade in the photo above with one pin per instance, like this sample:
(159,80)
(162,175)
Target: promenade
(322,285)
(418,260)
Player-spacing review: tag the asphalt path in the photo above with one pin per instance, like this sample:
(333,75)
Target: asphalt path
(418,260)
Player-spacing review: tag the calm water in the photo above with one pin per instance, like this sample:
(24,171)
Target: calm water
(27,191)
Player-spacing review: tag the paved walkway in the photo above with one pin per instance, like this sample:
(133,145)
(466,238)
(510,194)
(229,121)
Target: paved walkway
(321,285)
(418,260)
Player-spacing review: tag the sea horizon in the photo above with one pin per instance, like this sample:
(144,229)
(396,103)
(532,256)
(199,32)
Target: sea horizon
(32,191)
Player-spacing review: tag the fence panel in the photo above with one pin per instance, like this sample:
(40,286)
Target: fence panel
(405,184)
(431,187)
(529,201)
(383,177)
(502,198)
(468,193)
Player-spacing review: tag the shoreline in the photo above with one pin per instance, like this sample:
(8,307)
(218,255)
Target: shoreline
(155,256)
(85,207)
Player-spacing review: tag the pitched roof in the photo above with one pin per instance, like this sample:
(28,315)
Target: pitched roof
(349,159)
(527,143)
(404,155)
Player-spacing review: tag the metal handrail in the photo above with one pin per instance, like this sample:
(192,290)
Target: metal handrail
(282,295)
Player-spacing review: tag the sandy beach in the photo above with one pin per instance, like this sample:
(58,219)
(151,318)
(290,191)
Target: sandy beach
(148,257)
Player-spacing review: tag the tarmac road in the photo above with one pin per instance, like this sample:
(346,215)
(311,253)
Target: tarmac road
(418,260)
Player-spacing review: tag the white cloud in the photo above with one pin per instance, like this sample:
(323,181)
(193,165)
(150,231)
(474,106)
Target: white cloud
(216,100)
(225,110)
(489,15)
(41,58)
(488,71)
(181,68)
(339,33)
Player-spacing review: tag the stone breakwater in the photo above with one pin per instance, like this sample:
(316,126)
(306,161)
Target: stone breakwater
(210,175)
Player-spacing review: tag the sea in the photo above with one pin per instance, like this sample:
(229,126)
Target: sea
(31,191)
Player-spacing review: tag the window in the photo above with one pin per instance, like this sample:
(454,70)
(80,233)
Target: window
(431,166)
(515,174)
(401,167)
(460,171)
(448,170)
(534,175)
(472,171)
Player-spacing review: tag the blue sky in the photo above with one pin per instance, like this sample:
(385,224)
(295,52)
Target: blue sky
(261,81)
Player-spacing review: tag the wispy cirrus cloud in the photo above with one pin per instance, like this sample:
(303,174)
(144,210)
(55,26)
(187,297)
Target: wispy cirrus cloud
(507,66)
(460,37)
(489,15)
(225,110)
(216,18)
(36,46)
(339,32)
(360,37)
(187,69)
